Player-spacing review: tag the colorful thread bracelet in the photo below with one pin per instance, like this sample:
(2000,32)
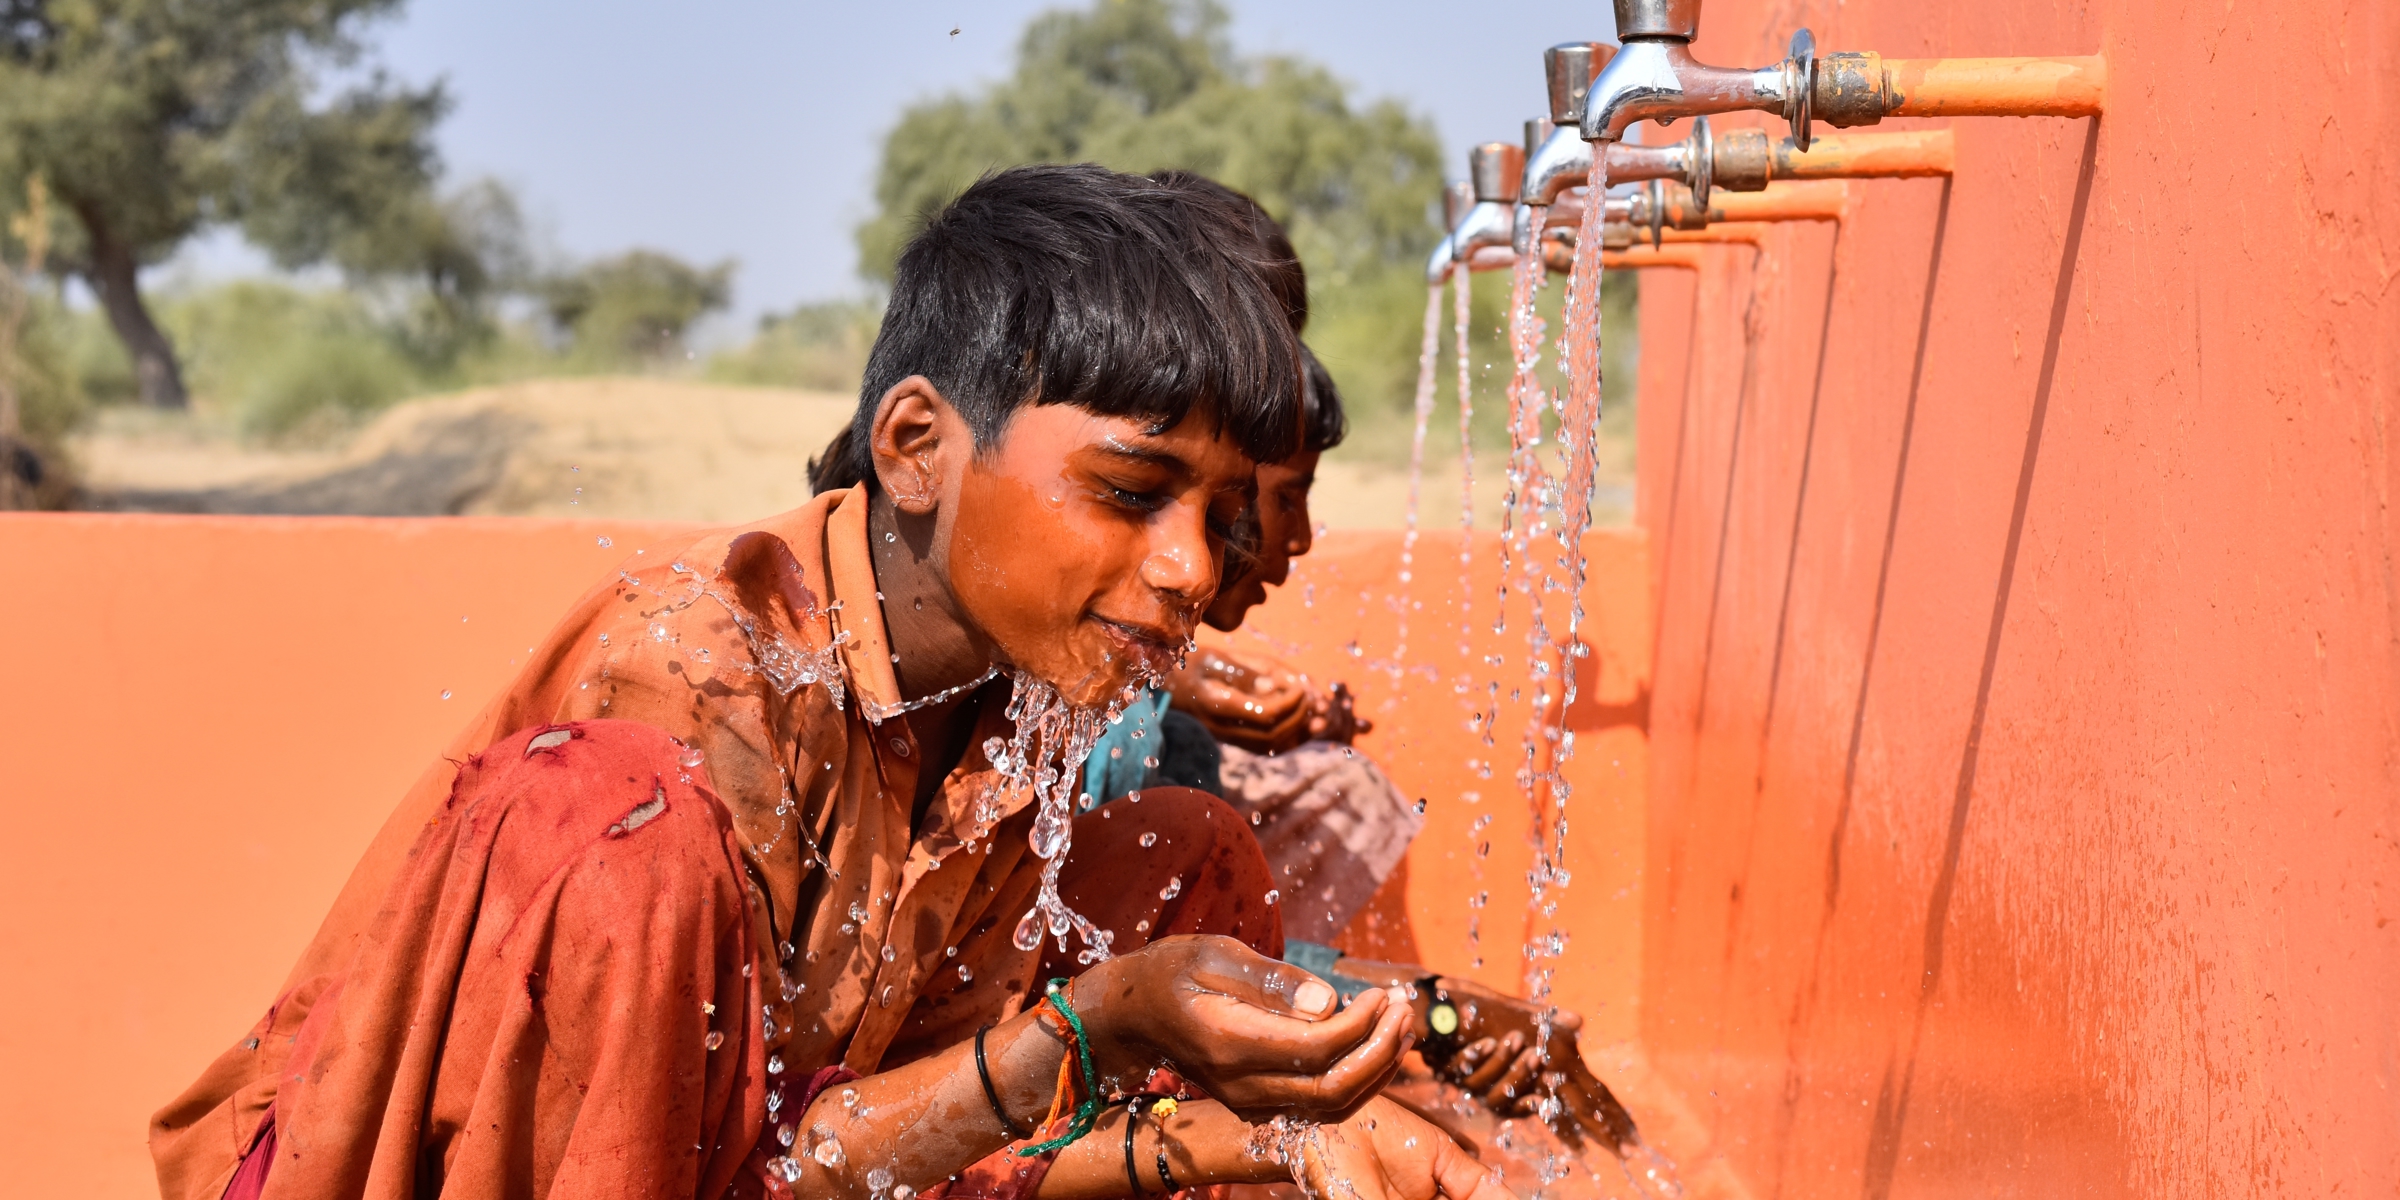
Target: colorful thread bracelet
(1087,1111)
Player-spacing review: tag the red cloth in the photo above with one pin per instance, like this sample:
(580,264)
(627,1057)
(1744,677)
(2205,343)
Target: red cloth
(530,1013)
(556,998)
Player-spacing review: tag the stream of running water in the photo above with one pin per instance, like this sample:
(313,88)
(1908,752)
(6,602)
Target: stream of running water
(1428,353)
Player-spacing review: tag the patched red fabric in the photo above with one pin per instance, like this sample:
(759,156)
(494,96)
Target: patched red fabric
(592,874)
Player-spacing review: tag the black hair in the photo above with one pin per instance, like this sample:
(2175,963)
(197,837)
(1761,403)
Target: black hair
(1323,424)
(1078,285)
(1272,256)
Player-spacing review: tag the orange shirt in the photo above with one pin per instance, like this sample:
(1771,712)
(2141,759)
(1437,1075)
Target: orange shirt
(763,649)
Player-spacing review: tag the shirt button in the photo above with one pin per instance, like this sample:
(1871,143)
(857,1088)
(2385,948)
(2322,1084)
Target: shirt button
(900,747)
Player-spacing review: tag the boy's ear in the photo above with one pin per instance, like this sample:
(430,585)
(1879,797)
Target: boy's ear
(916,441)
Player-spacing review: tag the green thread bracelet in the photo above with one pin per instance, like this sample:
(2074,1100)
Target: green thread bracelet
(1087,1112)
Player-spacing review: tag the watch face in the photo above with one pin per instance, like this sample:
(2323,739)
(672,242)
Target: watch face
(1442,1019)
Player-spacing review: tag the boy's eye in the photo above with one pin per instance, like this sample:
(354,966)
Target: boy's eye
(1138,501)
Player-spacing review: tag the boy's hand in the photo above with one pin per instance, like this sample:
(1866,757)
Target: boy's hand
(1386,1152)
(1257,704)
(1333,716)
(1501,1065)
(1262,1036)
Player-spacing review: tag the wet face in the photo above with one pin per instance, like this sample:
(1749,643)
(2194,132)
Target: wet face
(1084,547)
(1286,532)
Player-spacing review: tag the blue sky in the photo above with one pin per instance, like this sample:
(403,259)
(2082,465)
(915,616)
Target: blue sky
(748,129)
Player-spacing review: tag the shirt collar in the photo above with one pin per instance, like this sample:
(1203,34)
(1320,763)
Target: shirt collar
(857,609)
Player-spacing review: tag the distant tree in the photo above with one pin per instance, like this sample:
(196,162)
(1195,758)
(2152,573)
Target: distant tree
(151,120)
(1144,85)
(637,305)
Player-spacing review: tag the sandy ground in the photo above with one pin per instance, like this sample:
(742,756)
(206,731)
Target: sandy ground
(653,449)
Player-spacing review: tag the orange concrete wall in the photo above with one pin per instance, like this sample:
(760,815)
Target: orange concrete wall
(203,720)
(2025,763)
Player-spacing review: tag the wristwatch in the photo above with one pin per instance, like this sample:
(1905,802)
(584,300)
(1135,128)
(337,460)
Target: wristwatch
(1442,1023)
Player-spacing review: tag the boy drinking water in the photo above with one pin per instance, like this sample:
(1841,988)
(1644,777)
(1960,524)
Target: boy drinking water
(735,890)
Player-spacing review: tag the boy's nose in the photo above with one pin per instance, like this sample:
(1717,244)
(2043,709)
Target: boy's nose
(1178,569)
(1180,562)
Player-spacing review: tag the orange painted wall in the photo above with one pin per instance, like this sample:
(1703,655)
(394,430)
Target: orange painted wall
(2025,767)
(203,720)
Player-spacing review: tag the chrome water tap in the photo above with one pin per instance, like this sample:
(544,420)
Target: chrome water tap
(1653,76)
(1564,159)
(1457,198)
(1494,168)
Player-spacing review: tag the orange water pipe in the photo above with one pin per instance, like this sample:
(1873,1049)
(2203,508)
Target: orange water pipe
(1912,154)
(1559,256)
(1815,200)
(1641,258)
(1861,88)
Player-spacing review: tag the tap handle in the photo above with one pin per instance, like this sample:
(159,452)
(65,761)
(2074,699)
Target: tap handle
(1568,69)
(1497,168)
(1800,88)
(1658,19)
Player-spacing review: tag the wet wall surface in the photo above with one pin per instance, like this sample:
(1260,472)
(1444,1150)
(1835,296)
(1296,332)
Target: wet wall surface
(2025,771)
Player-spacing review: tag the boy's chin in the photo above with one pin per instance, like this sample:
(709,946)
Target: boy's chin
(1086,685)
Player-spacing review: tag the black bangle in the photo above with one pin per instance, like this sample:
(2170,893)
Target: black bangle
(1133,1113)
(1165,1176)
(992,1093)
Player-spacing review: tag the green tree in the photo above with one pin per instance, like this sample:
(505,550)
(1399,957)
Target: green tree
(1145,85)
(151,120)
(636,305)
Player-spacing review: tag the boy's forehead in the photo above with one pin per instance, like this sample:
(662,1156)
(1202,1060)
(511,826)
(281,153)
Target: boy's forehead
(1196,444)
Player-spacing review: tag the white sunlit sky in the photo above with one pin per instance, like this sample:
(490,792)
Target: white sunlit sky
(749,130)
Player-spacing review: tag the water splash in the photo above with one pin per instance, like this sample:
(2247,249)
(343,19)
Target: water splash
(1046,755)
(1429,350)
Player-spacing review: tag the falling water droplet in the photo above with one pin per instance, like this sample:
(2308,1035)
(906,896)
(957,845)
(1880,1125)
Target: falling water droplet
(1274,894)
(1173,889)
(716,1038)
(1149,840)
(1029,931)
(965,975)
(445,693)
(605,543)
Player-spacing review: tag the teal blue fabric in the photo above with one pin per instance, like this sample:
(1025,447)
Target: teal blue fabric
(1318,961)
(1115,766)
